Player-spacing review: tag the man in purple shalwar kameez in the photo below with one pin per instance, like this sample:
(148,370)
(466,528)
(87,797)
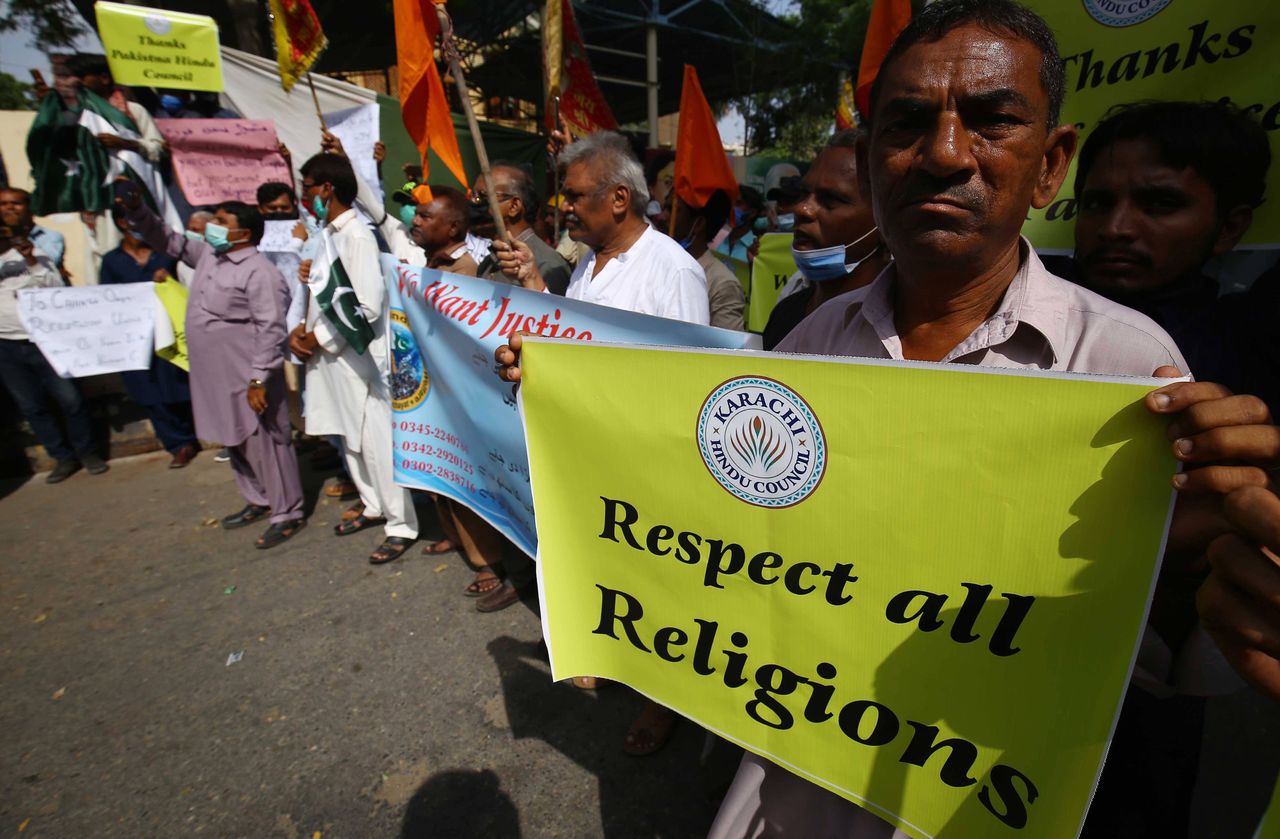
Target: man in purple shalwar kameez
(235,340)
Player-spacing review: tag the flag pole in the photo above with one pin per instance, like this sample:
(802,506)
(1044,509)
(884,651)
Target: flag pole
(455,67)
(555,174)
(316,100)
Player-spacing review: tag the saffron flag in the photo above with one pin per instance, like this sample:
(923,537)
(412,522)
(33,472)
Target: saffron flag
(423,106)
(569,76)
(338,302)
(299,38)
(888,18)
(702,167)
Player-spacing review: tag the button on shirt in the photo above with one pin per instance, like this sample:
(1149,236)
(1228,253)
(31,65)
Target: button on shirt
(655,276)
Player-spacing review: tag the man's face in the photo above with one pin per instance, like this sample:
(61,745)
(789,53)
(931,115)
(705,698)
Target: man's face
(197,222)
(280,207)
(588,217)
(99,83)
(14,209)
(432,228)
(960,149)
(235,233)
(834,211)
(1143,224)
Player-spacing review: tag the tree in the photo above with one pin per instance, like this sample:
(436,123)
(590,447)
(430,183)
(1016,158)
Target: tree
(15,95)
(52,23)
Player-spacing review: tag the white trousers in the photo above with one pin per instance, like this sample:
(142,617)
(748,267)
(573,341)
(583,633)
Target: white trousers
(372,470)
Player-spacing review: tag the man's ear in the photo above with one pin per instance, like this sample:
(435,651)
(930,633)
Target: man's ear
(1234,225)
(621,200)
(1059,148)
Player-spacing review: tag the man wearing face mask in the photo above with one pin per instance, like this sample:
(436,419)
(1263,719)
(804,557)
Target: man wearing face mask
(836,246)
(691,229)
(746,224)
(235,331)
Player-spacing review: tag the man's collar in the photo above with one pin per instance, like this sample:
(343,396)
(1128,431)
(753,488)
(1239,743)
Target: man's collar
(241,255)
(342,219)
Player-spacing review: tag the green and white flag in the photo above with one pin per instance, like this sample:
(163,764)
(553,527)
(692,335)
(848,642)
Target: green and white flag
(338,302)
(70,167)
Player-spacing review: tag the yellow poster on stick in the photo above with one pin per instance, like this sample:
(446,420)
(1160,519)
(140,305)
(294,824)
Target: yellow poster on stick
(920,586)
(160,48)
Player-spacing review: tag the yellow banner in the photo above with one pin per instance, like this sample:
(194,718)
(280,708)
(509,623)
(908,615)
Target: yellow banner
(173,297)
(159,48)
(772,267)
(919,586)
(1119,51)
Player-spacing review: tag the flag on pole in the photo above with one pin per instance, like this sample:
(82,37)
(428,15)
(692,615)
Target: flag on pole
(888,18)
(846,110)
(702,167)
(299,38)
(423,105)
(70,167)
(338,302)
(569,76)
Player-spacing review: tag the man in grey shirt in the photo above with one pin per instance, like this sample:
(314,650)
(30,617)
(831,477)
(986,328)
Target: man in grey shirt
(518,200)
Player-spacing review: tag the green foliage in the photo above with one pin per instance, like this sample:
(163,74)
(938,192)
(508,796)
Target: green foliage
(15,95)
(52,23)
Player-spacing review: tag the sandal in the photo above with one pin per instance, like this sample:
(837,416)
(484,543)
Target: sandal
(357,524)
(342,490)
(354,511)
(247,516)
(651,730)
(281,531)
(482,585)
(390,550)
(444,546)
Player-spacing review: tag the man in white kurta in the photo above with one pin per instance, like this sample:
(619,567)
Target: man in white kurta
(347,391)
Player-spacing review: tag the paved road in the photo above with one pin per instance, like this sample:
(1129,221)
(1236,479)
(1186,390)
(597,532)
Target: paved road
(369,702)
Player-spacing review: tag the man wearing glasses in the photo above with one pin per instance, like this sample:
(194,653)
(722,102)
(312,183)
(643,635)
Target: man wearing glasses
(518,203)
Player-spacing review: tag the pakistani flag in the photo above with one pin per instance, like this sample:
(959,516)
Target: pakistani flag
(70,167)
(338,301)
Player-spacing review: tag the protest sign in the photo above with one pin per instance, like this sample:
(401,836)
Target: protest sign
(920,586)
(92,329)
(171,318)
(358,130)
(455,425)
(220,160)
(160,48)
(1117,52)
(772,267)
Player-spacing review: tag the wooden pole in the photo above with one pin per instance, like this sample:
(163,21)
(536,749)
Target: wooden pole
(555,175)
(316,100)
(455,67)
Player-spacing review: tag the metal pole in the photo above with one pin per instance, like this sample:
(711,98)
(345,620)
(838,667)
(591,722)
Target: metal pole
(651,78)
(455,67)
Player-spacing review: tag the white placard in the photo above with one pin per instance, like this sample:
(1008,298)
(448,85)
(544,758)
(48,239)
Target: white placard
(358,130)
(277,236)
(90,330)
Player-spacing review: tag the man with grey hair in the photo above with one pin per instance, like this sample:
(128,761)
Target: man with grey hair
(517,199)
(631,265)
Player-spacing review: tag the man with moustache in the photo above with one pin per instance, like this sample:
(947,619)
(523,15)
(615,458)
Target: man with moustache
(518,202)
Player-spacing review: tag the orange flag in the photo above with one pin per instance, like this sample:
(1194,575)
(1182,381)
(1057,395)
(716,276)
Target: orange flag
(423,106)
(888,18)
(702,167)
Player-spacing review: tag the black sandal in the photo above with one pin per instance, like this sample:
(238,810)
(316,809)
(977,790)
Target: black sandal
(247,516)
(357,524)
(281,531)
(390,550)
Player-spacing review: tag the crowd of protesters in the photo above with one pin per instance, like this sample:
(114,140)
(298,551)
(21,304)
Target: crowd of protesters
(906,234)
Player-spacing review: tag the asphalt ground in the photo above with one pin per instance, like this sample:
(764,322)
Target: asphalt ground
(366,701)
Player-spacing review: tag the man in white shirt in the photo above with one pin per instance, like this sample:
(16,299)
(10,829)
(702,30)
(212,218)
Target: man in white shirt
(631,265)
(347,390)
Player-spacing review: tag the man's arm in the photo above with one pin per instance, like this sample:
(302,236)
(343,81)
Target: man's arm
(728,304)
(268,293)
(152,141)
(148,226)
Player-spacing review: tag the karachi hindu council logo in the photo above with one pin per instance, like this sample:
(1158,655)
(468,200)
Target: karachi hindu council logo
(1123,12)
(157,24)
(761,442)
(409,380)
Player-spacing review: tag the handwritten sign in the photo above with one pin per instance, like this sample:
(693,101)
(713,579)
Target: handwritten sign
(224,159)
(357,128)
(92,329)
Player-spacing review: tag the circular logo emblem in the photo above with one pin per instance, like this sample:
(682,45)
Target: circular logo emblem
(157,24)
(1123,12)
(409,381)
(761,441)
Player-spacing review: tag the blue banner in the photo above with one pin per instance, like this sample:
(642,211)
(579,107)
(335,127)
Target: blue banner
(455,424)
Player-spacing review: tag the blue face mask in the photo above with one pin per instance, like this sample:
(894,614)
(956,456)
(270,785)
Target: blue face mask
(216,235)
(760,225)
(170,103)
(825,264)
(787,222)
(319,208)
(193,236)
(407,212)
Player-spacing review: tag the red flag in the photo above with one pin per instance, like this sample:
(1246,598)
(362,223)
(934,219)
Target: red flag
(888,18)
(298,37)
(423,105)
(702,167)
(569,75)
